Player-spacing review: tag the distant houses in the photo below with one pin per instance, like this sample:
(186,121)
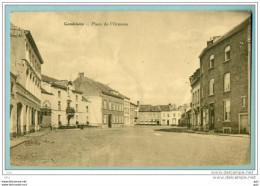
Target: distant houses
(158,115)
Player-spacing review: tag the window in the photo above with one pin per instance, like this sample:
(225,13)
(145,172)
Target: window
(227,82)
(202,92)
(76,97)
(59,105)
(59,94)
(76,107)
(211,87)
(227,53)
(243,101)
(226,110)
(59,121)
(109,105)
(211,61)
(77,118)
(86,108)
(12,87)
(168,115)
(87,118)
(105,104)
(105,119)
(173,115)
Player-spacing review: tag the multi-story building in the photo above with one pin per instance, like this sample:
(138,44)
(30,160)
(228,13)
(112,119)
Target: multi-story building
(149,115)
(127,111)
(169,114)
(225,81)
(195,104)
(107,104)
(25,82)
(132,114)
(62,104)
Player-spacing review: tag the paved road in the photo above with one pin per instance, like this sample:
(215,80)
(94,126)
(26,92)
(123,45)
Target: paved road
(138,146)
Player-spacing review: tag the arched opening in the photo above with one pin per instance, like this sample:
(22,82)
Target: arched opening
(19,118)
(11,119)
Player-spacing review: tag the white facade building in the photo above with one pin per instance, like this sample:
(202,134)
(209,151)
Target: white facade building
(62,105)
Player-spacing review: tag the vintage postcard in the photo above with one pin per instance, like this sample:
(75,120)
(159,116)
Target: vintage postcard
(147,89)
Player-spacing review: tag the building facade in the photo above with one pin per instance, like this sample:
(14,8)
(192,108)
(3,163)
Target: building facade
(225,81)
(107,104)
(169,115)
(149,115)
(195,104)
(25,82)
(127,121)
(62,104)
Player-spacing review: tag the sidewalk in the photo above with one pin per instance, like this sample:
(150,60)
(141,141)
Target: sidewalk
(21,139)
(219,134)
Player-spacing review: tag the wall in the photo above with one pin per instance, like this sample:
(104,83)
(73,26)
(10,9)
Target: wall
(238,69)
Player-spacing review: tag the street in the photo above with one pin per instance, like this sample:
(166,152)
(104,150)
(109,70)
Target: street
(137,146)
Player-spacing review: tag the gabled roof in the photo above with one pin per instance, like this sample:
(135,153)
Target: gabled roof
(58,83)
(104,89)
(85,99)
(228,34)
(45,91)
(165,108)
(29,36)
(48,79)
(149,108)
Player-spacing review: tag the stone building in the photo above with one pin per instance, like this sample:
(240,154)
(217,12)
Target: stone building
(25,82)
(225,81)
(62,104)
(149,115)
(195,104)
(169,114)
(107,104)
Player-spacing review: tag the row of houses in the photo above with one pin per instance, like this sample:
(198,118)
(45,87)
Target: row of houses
(221,86)
(37,100)
(158,115)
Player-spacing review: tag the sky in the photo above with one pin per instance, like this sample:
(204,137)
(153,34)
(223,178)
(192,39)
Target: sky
(150,60)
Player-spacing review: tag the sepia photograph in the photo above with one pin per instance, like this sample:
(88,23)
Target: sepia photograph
(130,89)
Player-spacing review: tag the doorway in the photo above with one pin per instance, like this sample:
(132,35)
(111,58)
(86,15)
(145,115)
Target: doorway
(244,124)
(19,118)
(211,117)
(109,120)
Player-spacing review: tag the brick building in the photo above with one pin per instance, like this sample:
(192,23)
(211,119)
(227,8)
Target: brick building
(62,104)
(225,81)
(25,82)
(107,104)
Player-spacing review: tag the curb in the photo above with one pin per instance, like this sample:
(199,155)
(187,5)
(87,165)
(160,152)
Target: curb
(28,138)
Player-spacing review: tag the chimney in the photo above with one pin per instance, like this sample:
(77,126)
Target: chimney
(209,42)
(81,75)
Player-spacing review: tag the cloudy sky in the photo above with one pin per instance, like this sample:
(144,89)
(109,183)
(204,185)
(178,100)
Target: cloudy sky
(149,60)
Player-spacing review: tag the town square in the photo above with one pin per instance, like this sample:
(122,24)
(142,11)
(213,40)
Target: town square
(130,89)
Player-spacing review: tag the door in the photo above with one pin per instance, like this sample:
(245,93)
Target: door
(211,117)
(244,124)
(109,120)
